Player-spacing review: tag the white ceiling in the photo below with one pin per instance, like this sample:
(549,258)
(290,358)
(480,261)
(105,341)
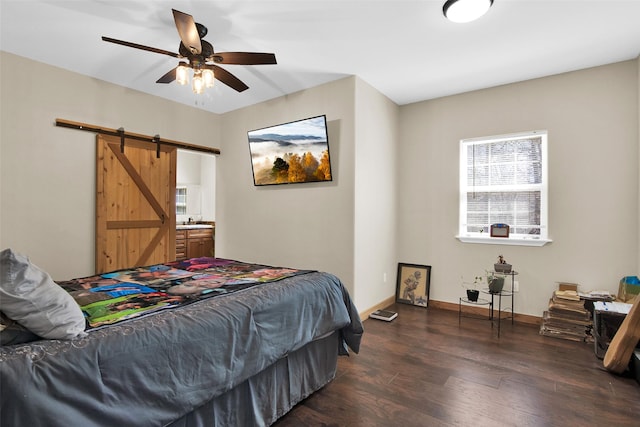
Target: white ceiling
(407,50)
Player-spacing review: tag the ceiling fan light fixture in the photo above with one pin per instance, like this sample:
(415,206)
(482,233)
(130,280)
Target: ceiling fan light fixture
(197,83)
(208,77)
(182,74)
(462,11)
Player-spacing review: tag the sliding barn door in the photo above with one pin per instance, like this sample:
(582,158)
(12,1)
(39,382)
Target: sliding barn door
(135,204)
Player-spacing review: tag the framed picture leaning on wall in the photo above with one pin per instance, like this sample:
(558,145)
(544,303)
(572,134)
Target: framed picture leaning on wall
(412,285)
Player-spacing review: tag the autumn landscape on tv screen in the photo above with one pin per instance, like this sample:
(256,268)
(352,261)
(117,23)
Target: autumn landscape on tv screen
(290,153)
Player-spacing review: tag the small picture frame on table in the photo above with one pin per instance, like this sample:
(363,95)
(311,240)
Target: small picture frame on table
(412,284)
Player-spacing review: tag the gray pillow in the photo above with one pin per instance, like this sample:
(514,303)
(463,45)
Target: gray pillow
(12,332)
(29,296)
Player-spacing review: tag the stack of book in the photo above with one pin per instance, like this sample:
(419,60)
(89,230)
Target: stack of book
(567,317)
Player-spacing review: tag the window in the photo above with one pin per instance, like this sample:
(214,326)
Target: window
(181,200)
(503,179)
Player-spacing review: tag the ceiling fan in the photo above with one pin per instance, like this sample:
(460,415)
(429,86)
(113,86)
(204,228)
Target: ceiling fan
(201,57)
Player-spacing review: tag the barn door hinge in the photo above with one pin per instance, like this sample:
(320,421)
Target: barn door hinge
(156,139)
(121,133)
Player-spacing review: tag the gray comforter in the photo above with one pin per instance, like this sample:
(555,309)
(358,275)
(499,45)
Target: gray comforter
(152,370)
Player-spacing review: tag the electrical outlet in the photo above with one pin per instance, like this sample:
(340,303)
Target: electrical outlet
(384,277)
(516,286)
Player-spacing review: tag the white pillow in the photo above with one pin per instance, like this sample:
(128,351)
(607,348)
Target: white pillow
(29,296)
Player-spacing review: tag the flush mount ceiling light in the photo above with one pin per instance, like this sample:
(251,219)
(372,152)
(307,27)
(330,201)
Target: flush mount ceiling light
(465,10)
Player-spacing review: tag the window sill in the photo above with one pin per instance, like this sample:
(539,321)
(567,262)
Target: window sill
(504,241)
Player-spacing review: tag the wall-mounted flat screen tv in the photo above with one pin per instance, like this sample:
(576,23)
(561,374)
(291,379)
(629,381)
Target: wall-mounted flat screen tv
(294,152)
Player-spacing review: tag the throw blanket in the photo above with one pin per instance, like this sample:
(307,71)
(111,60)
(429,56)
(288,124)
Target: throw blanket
(114,297)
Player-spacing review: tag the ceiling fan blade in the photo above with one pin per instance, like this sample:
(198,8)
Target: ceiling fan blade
(244,58)
(141,47)
(169,77)
(227,78)
(188,31)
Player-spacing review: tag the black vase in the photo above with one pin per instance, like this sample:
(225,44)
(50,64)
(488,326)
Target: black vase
(472,295)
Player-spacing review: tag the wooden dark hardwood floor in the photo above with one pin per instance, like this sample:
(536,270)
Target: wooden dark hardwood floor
(425,369)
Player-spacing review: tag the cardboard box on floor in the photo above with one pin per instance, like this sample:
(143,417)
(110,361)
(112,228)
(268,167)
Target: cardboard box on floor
(629,288)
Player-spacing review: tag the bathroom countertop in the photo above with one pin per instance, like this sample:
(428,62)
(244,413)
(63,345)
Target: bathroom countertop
(192,226)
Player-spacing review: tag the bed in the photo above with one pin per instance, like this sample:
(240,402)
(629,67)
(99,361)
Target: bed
(242,357)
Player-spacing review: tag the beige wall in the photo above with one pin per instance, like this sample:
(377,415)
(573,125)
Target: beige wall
(346,227)
(300,225)
(47,173)
(376,143)
(592,119)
